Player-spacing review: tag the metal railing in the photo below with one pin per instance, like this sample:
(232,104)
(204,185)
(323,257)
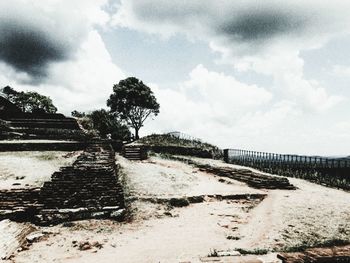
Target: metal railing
(324,170)
(183,136)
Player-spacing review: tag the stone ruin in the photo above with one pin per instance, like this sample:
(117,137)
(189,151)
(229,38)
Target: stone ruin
(87,189)
(252,179)
(16,124)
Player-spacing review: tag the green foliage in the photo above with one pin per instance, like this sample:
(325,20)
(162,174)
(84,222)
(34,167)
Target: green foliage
(47,156)
(78,114)
(29,101)
(257,251)
(134,102)
(9,93)
(104,123)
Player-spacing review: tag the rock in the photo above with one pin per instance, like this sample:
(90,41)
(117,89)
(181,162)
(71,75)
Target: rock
(228,253)
(179,202)
(168,214)
(97,244)
(34,237)
(84,245)
(196,199)
(233,238)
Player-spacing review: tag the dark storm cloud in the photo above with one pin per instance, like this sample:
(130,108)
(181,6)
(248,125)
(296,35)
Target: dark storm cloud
(260,26)
(244,26)
(29,49)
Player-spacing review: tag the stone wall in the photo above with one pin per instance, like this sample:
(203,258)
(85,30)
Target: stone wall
(57,127)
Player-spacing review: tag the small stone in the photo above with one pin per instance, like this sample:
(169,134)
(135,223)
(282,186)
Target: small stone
(168,214)
(97,244)
(228,253)
(84,245)
(179,202)
(34,237)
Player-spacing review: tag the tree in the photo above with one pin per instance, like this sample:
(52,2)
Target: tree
(35,102)
(78,114)
(29,101)
(9,93)
(133,102)
(105,123)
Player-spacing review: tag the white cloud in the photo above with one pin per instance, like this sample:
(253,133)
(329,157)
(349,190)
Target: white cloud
(199,108)
(246,116)
(341,71)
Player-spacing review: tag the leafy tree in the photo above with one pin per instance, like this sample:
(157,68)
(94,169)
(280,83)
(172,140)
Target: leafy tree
(9,93)
(29,101)
(34,102)
(133,102)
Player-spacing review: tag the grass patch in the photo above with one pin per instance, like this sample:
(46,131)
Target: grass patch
(49,156)
(171,140)
(257,251)
(124,181)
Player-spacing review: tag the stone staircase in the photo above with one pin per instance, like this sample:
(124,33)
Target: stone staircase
(134,153)
(87,189)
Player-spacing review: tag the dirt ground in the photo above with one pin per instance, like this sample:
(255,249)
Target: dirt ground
(163,233)
(31,169)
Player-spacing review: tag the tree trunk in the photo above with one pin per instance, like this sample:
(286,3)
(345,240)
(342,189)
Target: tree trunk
(137,134)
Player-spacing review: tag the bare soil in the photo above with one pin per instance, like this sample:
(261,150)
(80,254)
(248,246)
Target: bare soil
(31,169)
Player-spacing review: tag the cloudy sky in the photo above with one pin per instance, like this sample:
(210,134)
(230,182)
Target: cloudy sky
(265,75)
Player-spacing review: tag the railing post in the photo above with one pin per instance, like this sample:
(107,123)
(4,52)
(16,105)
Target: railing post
(226,157)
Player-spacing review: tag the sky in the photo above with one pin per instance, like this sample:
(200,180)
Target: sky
(265,75)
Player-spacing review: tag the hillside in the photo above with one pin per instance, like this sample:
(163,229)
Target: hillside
(169,140)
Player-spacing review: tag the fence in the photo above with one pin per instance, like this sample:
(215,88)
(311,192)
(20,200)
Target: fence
(323,170)
(183,136)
